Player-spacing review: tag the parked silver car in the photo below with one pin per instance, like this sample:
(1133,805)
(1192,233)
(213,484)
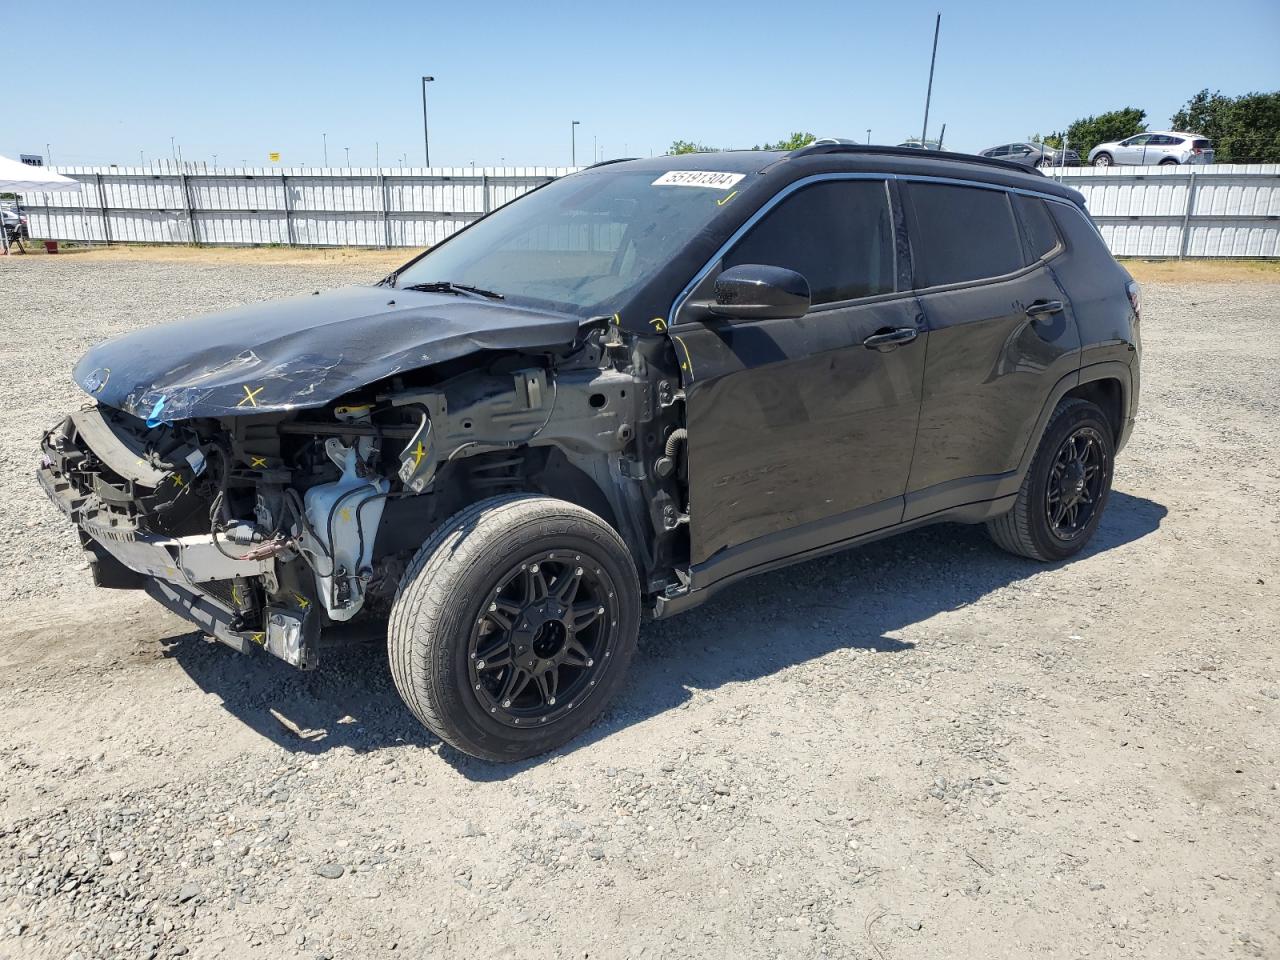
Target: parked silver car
(1161,148)
(1033,155)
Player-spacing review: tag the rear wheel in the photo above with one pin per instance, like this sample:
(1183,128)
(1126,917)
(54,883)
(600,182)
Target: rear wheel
(1168,162)
(1064,493)
(1102,160)
(514,625)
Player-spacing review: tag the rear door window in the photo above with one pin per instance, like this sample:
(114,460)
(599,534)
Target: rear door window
(838,234)
(962,234)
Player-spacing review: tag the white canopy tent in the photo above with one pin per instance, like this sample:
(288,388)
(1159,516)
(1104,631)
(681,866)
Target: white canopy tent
(18,177)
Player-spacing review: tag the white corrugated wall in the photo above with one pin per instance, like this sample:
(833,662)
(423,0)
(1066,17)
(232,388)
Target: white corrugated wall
(1219,210)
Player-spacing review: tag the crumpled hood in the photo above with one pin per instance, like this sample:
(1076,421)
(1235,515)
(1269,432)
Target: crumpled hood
(302,352)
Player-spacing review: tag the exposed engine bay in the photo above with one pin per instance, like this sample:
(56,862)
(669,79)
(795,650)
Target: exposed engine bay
(264,529)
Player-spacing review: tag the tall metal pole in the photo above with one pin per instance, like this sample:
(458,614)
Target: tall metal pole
(573,142)
(868,136)
(324,138)
(426,144)
(937,25)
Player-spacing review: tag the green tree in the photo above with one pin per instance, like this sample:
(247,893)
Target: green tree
(1049,140)
(1243,129)
(793,142)
(679,147)
(1087,133)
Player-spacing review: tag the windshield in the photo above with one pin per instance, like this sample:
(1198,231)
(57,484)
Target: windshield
(582,244)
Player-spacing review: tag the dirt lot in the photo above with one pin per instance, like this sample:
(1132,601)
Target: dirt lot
(922,749)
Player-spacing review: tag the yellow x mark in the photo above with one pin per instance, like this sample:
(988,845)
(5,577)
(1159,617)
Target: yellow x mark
(258,461)
(249,396)
(418,453)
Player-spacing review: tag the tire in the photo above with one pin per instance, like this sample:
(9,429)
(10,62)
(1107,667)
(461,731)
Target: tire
(1169,162)
(466,590)
(1028,529)
(1102,160)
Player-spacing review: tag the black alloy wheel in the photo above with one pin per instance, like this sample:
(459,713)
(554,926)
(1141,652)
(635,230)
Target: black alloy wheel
(1074,489)
(514,625)
(1064,490)
(543,639)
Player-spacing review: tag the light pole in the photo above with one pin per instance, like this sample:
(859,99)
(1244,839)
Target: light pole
(426,144)
(924,130)
(347,151)
(868,136)
(324,139)
(573,142)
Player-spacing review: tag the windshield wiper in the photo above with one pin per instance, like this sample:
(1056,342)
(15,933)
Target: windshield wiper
(448,286)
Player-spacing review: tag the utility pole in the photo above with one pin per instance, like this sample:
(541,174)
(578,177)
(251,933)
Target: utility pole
(324,138)
(426,144)
(868,136)
(347,150)
(173,150)
(573,142)
(377,157)
(937,26)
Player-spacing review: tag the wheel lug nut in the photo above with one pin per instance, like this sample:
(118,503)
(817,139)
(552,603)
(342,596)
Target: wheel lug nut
(591,663)
(493,607)
(578,572)
(600,610)
(533,568)
(505,704)
(551,701)
(479,664)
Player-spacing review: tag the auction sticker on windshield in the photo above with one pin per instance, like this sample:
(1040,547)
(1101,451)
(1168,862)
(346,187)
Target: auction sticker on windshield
(698,178)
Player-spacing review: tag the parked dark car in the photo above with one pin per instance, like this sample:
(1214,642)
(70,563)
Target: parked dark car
(1033,155)
(609,399)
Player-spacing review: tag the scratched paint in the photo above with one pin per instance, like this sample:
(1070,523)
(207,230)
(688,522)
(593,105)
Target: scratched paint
(302,352)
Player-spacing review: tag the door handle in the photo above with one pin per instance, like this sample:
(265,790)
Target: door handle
(1044,308)
(885,340)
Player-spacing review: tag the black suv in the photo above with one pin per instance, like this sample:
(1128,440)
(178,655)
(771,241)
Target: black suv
(608,399)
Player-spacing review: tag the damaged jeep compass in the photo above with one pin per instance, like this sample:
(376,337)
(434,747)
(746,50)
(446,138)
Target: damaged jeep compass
(605,400)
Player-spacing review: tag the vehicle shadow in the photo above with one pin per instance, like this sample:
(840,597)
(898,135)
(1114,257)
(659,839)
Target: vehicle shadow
(856,599)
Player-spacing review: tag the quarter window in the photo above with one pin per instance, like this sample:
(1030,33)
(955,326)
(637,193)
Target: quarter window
(838,234)
(962,234)
(1042,238)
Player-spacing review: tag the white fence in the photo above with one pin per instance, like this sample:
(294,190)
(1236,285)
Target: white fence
(1219,210)
(355,207)
(1216,210)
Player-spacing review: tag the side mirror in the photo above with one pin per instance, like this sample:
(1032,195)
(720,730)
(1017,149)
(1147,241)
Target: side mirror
(755,291)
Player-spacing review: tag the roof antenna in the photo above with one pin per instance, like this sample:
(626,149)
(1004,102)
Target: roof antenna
(937,25)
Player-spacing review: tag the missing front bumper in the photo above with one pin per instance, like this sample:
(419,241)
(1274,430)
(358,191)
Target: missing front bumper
(290,636)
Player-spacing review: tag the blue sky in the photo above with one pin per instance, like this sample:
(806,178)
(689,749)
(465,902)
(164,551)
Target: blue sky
(239,79)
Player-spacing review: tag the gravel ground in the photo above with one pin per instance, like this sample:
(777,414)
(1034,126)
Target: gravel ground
(924,748)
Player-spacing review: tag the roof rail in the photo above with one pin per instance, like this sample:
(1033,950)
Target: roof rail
(605,163)
(819,147)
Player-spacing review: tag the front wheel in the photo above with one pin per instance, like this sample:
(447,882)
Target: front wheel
(514,625)
(1168,162)
(1102,160)
(1061,500)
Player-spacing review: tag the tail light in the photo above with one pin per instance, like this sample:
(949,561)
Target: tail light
(1134,289)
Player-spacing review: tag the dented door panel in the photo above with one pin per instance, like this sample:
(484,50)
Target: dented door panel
(987,377)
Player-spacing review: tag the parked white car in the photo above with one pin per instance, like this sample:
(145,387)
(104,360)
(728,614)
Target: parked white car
(1150,149)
